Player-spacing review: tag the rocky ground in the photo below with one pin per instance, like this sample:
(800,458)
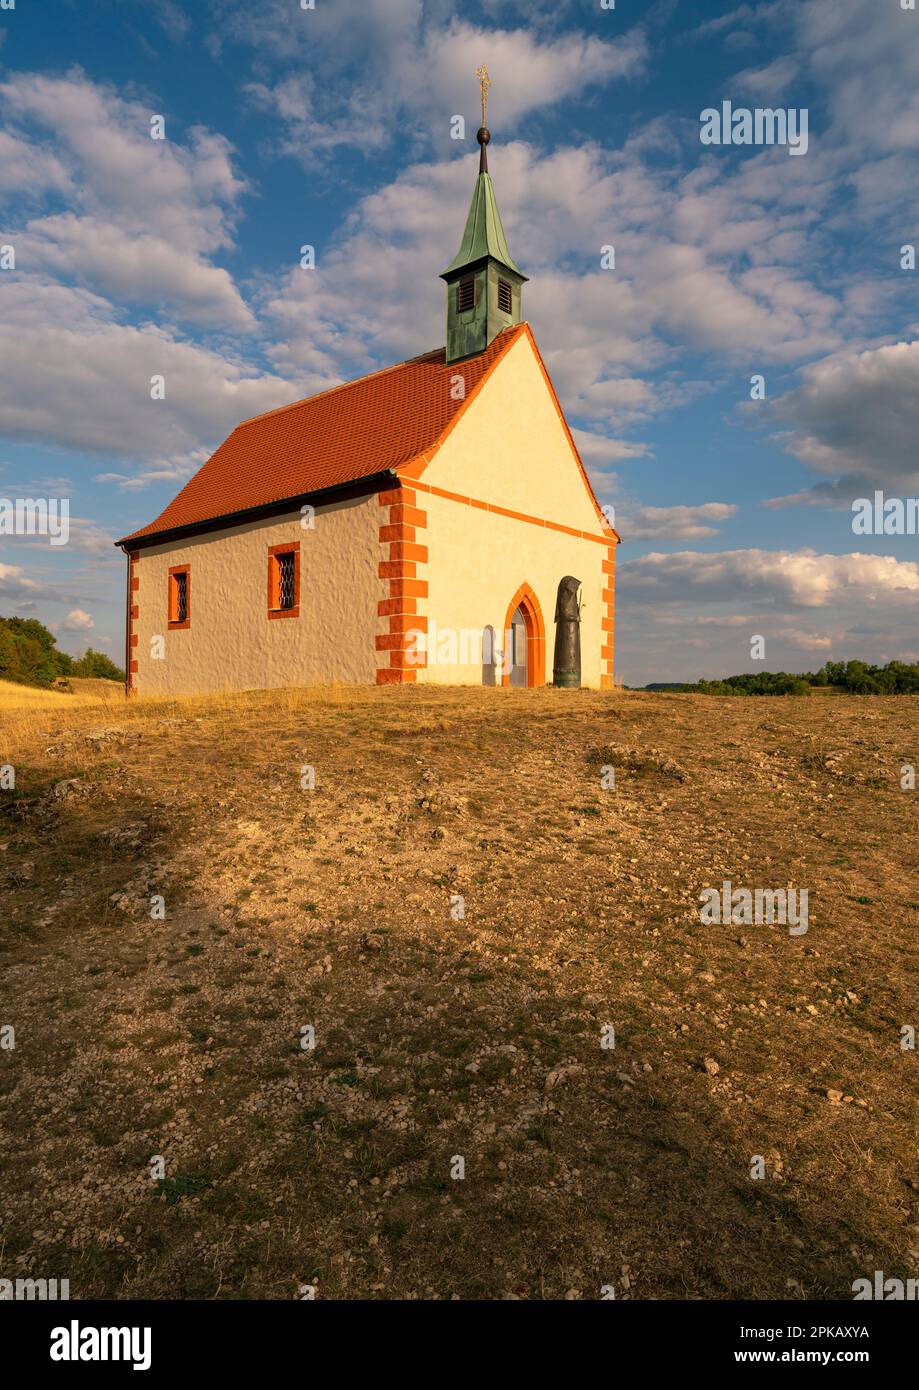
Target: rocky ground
(466,917)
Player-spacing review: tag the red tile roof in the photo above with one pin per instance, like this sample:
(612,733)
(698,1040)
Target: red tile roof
(364,427)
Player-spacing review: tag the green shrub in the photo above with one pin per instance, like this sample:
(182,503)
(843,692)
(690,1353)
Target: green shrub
(29,655)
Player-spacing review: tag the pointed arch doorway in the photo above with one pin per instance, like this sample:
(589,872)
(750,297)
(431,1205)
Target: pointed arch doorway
(524,640)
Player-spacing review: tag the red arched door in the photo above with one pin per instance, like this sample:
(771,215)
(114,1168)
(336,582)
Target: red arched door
(524,616)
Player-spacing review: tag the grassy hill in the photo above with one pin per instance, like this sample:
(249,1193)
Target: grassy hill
(438,1036)
(15,696)
(81,690)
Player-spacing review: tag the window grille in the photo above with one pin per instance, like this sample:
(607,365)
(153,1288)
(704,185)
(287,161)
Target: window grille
(466,294)
(505,298)
(286,581)
(181,598)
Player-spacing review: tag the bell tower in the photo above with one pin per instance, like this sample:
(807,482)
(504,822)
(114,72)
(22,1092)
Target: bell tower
(484,283)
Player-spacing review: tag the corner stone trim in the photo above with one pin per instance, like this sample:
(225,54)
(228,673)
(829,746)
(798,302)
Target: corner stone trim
(399,532)
(609,599)
(133,611)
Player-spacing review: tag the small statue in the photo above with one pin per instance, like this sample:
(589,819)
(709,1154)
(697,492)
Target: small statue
(566,668)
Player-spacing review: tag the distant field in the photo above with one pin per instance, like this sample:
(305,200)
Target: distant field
(13,696)
(439,1036)
(84,690)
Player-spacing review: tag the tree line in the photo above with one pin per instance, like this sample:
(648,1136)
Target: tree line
(852,677)
(29,655)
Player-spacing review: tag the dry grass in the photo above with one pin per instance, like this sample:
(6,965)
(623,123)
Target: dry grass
(16,697)
(93,688)
(438,1037)
(83,691)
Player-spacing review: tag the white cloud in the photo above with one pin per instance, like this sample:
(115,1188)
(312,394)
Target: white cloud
(83,534)
(857,414)
(78,620)
(132,267)
(89,536)
(183,192)
(15,585)
(172,19)
(526,72)
(867,57)
(375,296)
(714,620)
(767,82)
(413,65)
(76,377)
(178,469)
(29,170)
(678,523)
(146,215)
(807,641)
(782,578)
(600,450)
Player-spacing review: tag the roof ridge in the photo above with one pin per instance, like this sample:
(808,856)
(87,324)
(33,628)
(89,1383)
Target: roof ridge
(342,385)
(368,376)
(389,425)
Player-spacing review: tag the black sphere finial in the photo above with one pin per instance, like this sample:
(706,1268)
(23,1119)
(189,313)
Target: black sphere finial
(483,135)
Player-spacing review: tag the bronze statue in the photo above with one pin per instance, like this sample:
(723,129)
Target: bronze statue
(566,667)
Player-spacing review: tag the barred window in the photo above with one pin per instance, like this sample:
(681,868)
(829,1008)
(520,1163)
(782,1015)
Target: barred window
(505,297)
(286,595)
(179,614)
(465,294)
(284,581)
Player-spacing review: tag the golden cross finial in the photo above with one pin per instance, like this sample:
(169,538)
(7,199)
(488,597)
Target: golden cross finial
(484,82)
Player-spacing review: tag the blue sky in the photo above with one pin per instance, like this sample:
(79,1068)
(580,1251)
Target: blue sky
(331,127)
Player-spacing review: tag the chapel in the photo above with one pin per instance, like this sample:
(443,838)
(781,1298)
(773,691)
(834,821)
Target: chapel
(413,525)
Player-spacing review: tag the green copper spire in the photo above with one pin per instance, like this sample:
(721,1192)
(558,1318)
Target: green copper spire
(484,234)
(483,279)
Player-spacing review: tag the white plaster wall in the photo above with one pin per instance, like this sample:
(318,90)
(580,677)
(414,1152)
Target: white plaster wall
(510,448)
(478,561)
(231,643)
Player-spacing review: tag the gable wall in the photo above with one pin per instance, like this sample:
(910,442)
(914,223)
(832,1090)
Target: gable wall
(509,447)
(231,644)
(510,450)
